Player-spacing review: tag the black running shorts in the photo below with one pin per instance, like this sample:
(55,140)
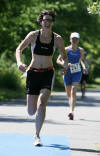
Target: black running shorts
(84,78)
(36,81)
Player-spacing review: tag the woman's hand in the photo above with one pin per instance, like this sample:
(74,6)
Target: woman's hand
(22,67)
(85,71)
(69,64)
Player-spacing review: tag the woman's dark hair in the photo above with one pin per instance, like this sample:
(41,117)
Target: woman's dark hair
(46,12)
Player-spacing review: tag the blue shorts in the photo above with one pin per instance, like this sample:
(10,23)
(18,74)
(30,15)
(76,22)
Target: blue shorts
(69,78)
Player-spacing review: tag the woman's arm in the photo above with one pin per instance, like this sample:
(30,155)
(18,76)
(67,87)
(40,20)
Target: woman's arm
(28,39)
(82,61)
(60,61)
(62,58)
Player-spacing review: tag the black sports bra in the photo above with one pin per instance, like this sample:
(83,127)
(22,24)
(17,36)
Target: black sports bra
(43,48)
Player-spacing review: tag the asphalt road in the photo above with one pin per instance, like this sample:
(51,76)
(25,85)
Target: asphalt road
(83,132)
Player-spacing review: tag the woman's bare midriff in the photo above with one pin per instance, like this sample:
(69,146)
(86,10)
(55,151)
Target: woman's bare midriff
(39,61)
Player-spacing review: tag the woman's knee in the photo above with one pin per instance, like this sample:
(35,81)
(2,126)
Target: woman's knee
(42,101)
(31,104)
(31,108)
(74,90)
(31,111)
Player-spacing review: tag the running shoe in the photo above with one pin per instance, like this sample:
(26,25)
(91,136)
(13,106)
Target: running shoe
(37,141)
(71,116)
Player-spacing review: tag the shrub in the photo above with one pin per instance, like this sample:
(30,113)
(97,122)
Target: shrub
(10,77)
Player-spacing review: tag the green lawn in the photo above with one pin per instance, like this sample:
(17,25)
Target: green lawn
(6,94)
(97,146)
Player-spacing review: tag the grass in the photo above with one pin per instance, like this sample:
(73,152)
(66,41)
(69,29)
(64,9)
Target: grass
(98,147)
(95,84)
(7,94)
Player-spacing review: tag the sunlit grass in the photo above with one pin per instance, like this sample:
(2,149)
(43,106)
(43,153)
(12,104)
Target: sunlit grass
(96,84)
(6,94)
(97,146)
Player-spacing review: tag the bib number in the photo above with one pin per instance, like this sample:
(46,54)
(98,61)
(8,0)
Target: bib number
(74,68)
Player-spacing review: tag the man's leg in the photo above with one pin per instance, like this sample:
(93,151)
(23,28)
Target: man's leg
(83,88)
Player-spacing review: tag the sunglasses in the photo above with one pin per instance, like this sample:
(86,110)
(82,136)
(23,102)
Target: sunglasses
(47,20)
(75,38)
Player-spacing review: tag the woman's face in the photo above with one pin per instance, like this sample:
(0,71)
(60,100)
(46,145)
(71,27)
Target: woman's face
(47,22)
(74,41)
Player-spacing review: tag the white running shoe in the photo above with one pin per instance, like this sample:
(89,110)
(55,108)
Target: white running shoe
(37,141)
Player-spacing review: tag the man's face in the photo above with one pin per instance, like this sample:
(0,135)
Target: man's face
(74,41)
(47,22)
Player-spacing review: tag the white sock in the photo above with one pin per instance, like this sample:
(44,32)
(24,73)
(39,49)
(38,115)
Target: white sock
(71,111)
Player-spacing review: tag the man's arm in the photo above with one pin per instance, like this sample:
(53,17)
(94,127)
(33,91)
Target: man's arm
(20,48)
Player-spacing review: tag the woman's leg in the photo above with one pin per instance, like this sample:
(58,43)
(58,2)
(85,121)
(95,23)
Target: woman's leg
(41,109)
(73,95)
(32,104)
(37,104)
(68,92)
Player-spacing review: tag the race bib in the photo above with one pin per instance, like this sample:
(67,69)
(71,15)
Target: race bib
(74,68)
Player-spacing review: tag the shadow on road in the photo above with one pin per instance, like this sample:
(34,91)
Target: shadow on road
(60,100)
(63,101)
(16,119)
(85,150)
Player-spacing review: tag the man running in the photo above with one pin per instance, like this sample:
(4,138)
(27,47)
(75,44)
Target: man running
(85,76)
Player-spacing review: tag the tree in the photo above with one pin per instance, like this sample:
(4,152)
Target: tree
(94,7)
(18,17)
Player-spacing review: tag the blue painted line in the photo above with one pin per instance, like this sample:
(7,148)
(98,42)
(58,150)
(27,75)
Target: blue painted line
(22,145)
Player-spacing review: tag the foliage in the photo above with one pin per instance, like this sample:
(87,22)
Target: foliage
(17,18)
(9,75)
(94,7)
